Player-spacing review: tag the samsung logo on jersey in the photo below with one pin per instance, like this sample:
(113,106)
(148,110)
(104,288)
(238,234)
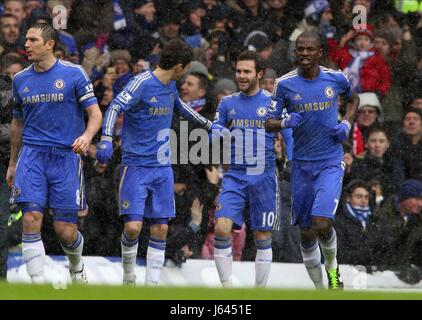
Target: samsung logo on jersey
(48,97)
(247,123)
(159,111)
(314,106)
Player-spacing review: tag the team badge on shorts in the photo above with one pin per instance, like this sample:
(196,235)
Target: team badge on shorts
(329,92)
(261,111)
(59,84)
(125,204)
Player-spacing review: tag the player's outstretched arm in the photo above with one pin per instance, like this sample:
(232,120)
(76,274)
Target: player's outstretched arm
(15,145)
(105,146)
(191,115)
(95,118)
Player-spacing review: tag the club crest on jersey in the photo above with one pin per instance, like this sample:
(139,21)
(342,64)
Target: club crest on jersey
(261,111)
(59,84)
(126,204)
(329,92)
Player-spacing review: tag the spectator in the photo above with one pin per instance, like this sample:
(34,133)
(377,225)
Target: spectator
(253,16)
(9,34)
(285,21)
(268,80)
(277,60)
(366,69)
(378,167)
(409,233)
(10,65)
(364,236)
(145,15)
(369,113)
(401,64)
(223,88)
(184,239)
(258,41)
(416,102)
(139,65)
(169,26)
(313,12)
(217,54)
(61,52)
(192,28)
(15,8)
(408,145)
(33,4)
(193,90)
(85,26)
(120,61)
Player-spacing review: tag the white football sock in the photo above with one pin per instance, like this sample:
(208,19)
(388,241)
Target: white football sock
(312,260)
(223,257)
(74,253)
(263,260)
(329,250)
(129,253)
(155,260)
(34,256)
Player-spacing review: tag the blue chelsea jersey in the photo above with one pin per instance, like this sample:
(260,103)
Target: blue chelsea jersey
(245,116)
(52,103)
(317,101)
(148,107)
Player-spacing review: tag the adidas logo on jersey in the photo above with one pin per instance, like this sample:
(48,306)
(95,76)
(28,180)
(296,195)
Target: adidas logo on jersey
(25,90)
(153,99)
(297,97)
(232,111)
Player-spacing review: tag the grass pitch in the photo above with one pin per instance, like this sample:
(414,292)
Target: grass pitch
(47,292)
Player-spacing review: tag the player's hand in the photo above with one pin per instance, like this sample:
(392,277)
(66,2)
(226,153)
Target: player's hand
(218,131)
(292,120)
(196,211)
(81,144)
(10,176)
(105,149)
(341,131)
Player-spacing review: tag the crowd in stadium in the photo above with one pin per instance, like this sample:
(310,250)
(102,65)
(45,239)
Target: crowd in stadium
(379,218)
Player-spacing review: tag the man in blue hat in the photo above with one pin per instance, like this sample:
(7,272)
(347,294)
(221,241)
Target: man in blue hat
(410,197)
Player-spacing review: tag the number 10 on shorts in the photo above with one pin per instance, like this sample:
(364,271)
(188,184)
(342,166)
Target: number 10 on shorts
(268,219)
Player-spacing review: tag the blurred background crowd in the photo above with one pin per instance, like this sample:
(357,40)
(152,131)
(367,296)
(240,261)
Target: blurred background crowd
(379,218)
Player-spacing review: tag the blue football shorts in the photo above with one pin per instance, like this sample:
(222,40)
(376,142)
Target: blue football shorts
(50,177)
(146,192)
(260,192)
(316,189)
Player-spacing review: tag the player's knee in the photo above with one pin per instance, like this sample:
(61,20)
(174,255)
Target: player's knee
(159,231)
(32,222)
(133,230)
(66,234)
(222,229)
(321,227)
(307,237)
